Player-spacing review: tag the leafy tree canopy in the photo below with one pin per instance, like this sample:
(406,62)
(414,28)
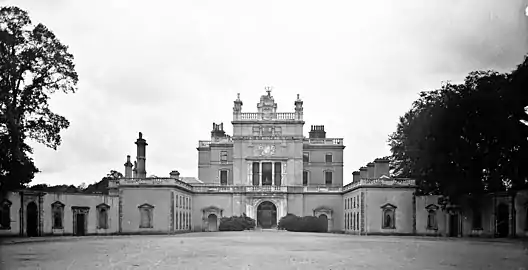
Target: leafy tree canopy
(33,65)
(466,139)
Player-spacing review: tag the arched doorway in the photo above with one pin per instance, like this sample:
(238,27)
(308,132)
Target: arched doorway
(212,222)
(324,222)
(32,219)
(503,224)
(266,215)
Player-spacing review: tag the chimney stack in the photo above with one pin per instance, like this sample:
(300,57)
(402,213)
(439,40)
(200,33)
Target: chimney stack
(141,157)
(381,167)
(175,175)
(218,131)
(128,168)
(317,132)
(355,176)
(363,173)
(370,170)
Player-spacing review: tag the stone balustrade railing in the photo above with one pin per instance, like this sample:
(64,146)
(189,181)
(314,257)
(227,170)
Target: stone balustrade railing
(389,182)
(204,187)
(281,116)
(327,141)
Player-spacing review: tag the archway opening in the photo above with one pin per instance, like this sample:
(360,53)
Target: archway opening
(266,215)
(503,224)
(32,219)
(324,222)
(212,222)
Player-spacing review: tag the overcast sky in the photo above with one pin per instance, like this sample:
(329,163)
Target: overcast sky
(171,68)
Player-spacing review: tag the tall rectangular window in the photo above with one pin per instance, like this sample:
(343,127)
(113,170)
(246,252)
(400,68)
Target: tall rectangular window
(305,178)
(223,177)
(328,178)
(278,173)
(256,172)
(256,131)
(223,156)
(306,156)
(266,173)
(328,158)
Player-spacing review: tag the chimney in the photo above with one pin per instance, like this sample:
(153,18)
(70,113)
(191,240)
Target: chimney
(128,168)
(381,167)
(370,170)
(141,157)
(363,173)
(317,132)
(218,131)
(175,175)
(355,176)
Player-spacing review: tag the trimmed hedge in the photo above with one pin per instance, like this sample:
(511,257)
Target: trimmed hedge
(294,223)
(236,223)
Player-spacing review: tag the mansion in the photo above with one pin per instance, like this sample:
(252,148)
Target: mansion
(266,169)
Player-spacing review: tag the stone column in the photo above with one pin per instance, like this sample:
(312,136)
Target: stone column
(273,173)
(250,173)
(260,173)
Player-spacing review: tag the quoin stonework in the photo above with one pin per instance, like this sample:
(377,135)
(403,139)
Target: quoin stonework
(266,169)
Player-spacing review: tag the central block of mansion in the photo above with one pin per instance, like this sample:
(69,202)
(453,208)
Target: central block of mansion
(266,169)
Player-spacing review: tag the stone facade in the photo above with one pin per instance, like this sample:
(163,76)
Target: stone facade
(266,169)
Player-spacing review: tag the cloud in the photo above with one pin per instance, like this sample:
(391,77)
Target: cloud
(170,69)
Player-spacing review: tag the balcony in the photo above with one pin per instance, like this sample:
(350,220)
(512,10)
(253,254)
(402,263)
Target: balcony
(222,140)
(324,141)
(323,189)
(284,116)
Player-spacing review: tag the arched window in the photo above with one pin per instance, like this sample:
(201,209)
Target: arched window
(432,223)
(57,208)
(388,216)
(5,215)
(102,216)
(146,212)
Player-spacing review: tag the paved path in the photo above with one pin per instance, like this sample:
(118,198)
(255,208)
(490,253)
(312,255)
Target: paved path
(261,250)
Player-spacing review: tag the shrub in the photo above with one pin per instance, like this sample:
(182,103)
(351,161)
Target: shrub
(294,223)
(236,223)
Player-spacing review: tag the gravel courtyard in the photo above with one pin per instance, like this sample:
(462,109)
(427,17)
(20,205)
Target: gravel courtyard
(261,250)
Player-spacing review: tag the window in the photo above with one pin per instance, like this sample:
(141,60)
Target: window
(432,223)
(278,173)
(223,177)
(357,221)
(5,215)
(328,178)
(57,208)
(305,178)
(146,213)
(388,218)
(256,173)
(256,131)
(477,219)
(267,131)
(346,203)
(223,156)
(278,131)
(328,158)
(177,198)
(306,156)
(354,202)
(102,216)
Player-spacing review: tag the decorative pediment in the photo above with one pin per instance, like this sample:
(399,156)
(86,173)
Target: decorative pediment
(324,209)
(384,177)
(80,209)
(57,204)
(212,209)
(431,207)
(103,205)
(388,206)
(146,205)
(6,202)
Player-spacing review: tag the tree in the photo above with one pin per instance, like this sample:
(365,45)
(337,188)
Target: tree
(466,139)
(33,65)
(102,186)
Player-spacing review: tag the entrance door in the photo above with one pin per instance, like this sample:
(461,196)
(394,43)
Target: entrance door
(324,222)
(80,224)
(267,215)
(503,223)
(212,222)
(453,225)
(32,219)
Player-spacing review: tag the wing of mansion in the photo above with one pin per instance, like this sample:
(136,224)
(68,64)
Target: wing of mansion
(266,169)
